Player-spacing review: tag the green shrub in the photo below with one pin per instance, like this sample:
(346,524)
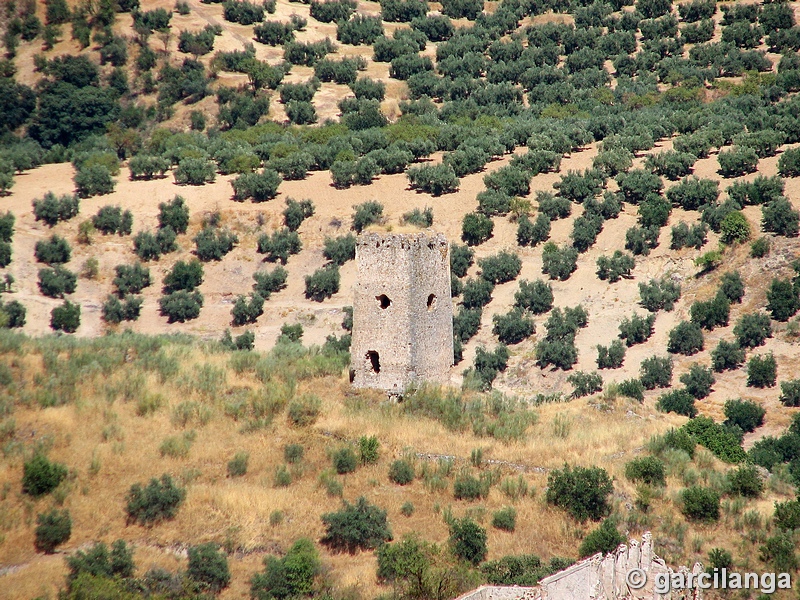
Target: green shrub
(727,356)
(246,311)
(468,540)
(53,251)
(368,449)
(419,218)
(112,219)
(535,296)
(698,380)
(737,161)
(115,310)
(648,469)
(615,267)
(700,504)
(280,245)
(659,294)
(290,576)
(293,453)
(55,282)
(732,287)
(789,163)
(500,268)
(434,179)
(489,364)
(213,243)
(685,338)
(656,372)
(40,476)
(505,519)
(401,472)
(683,236)
(341,249)
(93,180)
(604,539)
(745,481)
(344,460)
(790,393)
(195,171)
(640,240)
(208,567)
(359,526)
(259,187)
(53,529)
(367,214)
(476,228)
(157,501)
(466,323)
(296,212)
(762,371)
(468,487)
(636,329)
(711,313)
(582,492)
(554,207)
(52,209)
(237,466)
(407,509)
(752,330)
(723,443)
(461,258)
(144,167)
(323,283)
(760,247)
(783,300)
(677,401)
(612,356)
(779,551)
(180,306)
(131,279)
(531,233)
(585,384)
(66,317)
(184,276)
(559,263)
(304,411)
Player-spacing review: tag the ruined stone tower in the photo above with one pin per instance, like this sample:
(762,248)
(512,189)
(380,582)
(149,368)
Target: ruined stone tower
(402,313)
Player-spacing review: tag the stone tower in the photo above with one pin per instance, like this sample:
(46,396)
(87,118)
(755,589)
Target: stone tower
(402,313)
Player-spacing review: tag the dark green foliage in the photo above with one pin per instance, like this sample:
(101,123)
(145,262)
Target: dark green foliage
(14,314)
(631,388)
(66,317)
(291,334)
(727,356)
(493,203)
(213,243)
(260,187)
(115,311)
(500,268)
(93,180)
(296,212)
(789,163)
(535,296)
(698,380)
(559,263)
(341,249)
(150,247)
(760,247)
(654,212)
(468,540)
(510,179)
(53,529)
(370,89)
(780,217)
(183,276)
(531,233)
(403,11)
(636,329)
(744,414)
(578,187)
(433,179)
(783,301)
(7,226)
(670,164)
(467,487)
(246,311)
(488,365)
(181,306)
(711,313)
(53,251)
(685,338)
(461,258)
(648,469)
(659,294)
(640,240)
(762,190)
(734,228)
(656,372)
(112,219)
(512,327)
(57,281)
(558,346)
(762,371)
(195,171)
(684,236)
(52,209)
(143,167)
(323,283)
(505,519)
(419,218)
(367,214)
(677,401)
(291,576)
(359,526)
(521,570)
(638,184)
(208,567)
(40,476)
(476,228)
(585,384)
(602,540)
(344,460)
(268,283)
(615,267)
(585,230)
(158,501)
(477,293)
(779,551)
(790,392)
(331,11)
(246,341)
(274,33)
(555,207)
(359,30)
(280,245)
(466,323)
(737,161)
(99,562)
(700,504)
(612,356)
(732,287)
(401,472)
(301,113)
(582,492)
(752,330)
(692,193)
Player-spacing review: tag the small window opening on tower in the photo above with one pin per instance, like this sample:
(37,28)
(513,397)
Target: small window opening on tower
(384,301)
(431,301)
(374,361)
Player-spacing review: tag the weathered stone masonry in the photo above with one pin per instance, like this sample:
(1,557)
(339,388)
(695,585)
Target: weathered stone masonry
(402,312)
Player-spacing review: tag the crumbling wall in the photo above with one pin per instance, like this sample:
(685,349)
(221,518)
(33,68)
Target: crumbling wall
(402,311)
